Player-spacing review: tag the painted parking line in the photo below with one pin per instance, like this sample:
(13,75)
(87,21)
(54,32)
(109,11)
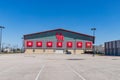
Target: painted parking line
(78,74)
(40,72)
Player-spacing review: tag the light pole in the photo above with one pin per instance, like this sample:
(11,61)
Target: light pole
(93,29)
(22,50)
(1,27)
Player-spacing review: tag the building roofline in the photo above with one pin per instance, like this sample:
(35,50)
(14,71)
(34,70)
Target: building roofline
(59,29)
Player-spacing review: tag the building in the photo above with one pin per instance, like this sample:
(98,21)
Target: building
(100,49)
(58,41)
(112,48)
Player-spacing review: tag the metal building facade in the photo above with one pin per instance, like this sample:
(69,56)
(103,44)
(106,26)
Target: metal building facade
(72,41)
(112,48)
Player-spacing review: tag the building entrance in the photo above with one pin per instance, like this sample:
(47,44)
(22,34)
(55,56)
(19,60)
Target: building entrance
(59,51)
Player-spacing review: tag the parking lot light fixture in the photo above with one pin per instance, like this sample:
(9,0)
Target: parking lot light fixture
(93,29)
(1,27)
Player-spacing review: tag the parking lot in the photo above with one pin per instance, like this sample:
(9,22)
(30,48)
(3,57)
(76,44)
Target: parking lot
(58,67)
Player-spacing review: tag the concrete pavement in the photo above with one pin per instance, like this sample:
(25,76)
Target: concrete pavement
(58,67)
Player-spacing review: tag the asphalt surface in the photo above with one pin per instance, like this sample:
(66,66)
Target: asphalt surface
(58,67)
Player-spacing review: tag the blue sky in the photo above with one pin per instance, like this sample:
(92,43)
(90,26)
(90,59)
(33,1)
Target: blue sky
(28,16)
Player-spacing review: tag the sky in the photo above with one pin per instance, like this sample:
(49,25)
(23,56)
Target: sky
(21,17)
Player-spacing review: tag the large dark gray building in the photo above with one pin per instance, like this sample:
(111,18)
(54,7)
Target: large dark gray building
(112,48)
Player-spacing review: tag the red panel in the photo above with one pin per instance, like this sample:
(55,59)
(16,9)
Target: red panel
(79,44)
(39,43)
(88,44)
(59,44)
(49,44)
(69,44)
(29,43)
